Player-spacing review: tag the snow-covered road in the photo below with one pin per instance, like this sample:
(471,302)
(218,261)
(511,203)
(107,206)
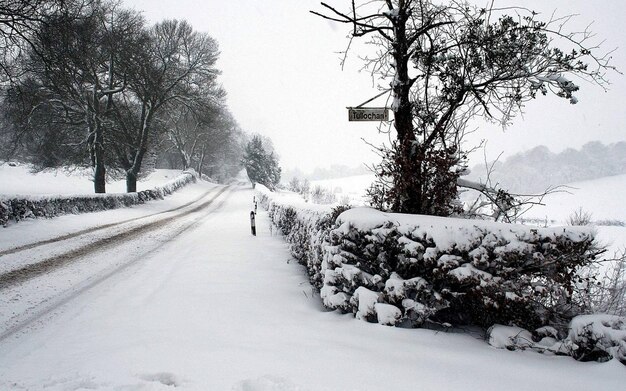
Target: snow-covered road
(203,305)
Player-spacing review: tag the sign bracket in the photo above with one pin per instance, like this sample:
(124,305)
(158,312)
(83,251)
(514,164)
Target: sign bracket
(360,113)
(368,101)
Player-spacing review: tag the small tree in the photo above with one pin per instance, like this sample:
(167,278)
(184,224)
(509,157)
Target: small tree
(447,62)
(261,163)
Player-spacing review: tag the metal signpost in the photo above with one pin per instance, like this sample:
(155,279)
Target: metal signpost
(361,113)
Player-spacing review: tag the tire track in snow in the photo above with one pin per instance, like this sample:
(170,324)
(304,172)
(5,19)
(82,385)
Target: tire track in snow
(72,235)
(48,305)
(34,269)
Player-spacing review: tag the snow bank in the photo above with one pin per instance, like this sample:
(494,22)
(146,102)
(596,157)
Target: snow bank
(16,208)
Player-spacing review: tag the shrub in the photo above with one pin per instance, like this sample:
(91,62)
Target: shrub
(598,337)
(323,196)
(579,217)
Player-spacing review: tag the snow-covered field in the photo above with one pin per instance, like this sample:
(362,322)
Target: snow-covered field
(200,304)
(352,188)
(604,198)
(20,180)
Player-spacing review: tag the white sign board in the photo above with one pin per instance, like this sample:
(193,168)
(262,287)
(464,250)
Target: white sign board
(368,114)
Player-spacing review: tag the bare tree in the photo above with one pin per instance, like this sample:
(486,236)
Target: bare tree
(20,21)
(447,63)
(193,125)
(176,66)
(78,66)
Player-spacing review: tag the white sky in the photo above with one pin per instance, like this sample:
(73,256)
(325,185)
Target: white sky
(283,78)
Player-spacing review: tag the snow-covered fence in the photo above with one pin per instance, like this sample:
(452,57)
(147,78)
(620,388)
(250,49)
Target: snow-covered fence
(21,207)
(399,269)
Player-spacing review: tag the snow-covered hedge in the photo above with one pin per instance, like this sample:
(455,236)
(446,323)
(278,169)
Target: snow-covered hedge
(453,270)
(405,269)
(399,269)
(598,337)
(22,207)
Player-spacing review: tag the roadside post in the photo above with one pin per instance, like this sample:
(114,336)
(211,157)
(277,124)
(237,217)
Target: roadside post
(252,223)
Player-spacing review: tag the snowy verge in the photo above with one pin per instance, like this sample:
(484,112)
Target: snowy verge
(16,208)
(398,269)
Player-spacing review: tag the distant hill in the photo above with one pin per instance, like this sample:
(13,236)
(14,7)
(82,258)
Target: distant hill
(603,198)
(537,169)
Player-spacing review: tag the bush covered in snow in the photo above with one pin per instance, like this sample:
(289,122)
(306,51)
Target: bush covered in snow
(399,269)
(457,271)
(598,337)
(19,208)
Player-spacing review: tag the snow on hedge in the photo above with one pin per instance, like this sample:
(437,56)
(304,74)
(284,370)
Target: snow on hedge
(398,269)
(455,270)
(16,208)
(597,337)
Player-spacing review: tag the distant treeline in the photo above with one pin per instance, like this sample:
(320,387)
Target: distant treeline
(539,168)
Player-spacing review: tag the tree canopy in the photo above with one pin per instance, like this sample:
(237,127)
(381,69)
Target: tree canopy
(261,163)
(448,62)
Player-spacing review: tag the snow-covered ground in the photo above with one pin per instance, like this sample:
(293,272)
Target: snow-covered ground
(352,188)
(604,198)
(198,303)
(19,179)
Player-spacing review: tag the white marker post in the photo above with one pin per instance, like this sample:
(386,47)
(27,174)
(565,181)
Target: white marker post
(252,223)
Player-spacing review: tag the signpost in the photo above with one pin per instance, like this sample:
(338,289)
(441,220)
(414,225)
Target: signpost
(361,113)
(252,223)
(368,114)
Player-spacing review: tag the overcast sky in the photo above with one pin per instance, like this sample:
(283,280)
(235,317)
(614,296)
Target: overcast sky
(282,74)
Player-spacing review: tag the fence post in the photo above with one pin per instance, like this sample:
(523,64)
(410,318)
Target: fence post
(252,223)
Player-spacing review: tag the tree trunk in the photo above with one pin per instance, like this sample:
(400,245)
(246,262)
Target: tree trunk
(200,163)
(99,177)
(131,174)
(408,189)
(131,182)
